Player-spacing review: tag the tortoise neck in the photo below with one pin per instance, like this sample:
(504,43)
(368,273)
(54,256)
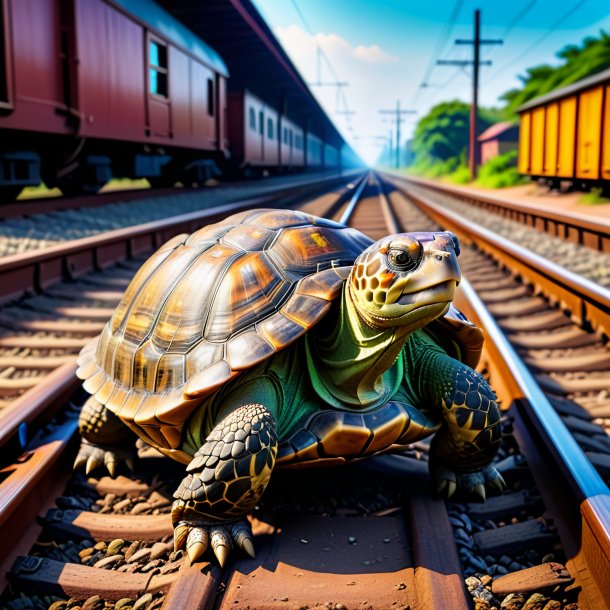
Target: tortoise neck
(354,364)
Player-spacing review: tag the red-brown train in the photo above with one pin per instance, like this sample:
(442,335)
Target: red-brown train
(95,89)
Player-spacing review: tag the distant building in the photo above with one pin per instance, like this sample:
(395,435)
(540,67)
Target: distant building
(498,139)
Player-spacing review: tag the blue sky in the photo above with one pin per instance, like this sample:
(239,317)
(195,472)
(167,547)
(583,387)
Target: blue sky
(384,49)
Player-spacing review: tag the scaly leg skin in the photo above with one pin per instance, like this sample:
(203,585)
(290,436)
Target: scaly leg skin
(104,438)
(462,451)
(226,478)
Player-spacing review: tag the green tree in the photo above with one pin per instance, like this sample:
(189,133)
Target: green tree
(578,62)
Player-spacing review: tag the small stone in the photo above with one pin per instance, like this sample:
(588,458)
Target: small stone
(486,579)
(387,540)
(115,546)
(122,504)
(513,601)
(143,602)
(303,541)
(151,565)
(125,601)
(284,599)
(552,604)
(140,507)
(108,500)
(133,547)
(100,546)
(351,540)
(108,561)
(400,586)
(138,555)
(158,500)
(86,553)
(536,602)
(160,548)
(93,603)
(61,604)
(548,558)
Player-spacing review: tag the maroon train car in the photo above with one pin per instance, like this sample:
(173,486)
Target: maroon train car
(262,138)
(91,89)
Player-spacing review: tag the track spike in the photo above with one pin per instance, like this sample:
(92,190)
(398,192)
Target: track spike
(451,487)
(79,462)
(129,463)
(92,464)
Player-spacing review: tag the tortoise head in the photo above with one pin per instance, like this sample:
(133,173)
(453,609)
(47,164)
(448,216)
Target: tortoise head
(405,279)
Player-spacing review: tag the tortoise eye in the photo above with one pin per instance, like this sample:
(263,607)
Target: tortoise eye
(404,259)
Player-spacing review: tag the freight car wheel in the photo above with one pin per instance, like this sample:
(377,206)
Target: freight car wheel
(9,193)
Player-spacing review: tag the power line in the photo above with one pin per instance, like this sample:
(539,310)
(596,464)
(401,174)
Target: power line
(553,27)
(524,11)
(440,43)
(320,54)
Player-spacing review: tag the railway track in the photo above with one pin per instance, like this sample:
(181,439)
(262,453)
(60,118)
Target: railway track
(352,538)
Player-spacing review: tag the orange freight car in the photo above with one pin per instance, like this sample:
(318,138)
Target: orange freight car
(565,135)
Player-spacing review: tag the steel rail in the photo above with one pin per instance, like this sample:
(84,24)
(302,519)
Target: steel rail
(573,226)
(45,205)
(589,302)
(351,206)
(589,544)
(38,269)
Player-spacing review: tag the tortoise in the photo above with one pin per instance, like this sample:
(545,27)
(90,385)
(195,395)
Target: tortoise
(277,338)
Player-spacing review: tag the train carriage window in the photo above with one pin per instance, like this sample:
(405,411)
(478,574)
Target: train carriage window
(158,68)
(252,119)
(270,129)
(261,122)
(285,135)
(290,138)
(210,97)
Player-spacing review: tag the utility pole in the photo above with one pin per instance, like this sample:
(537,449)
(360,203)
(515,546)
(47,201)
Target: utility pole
(476,63)
(398,112)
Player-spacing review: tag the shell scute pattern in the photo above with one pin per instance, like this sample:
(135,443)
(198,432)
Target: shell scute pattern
(208,305)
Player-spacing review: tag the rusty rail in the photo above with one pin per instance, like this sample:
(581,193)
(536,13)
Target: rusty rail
(542,434)
(38,269)
(571,226)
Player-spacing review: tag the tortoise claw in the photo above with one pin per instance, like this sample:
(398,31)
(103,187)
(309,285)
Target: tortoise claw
(92,456)
(180,534)
(197,537)
(475,484)
(196,543)
(92,464)
(479,490)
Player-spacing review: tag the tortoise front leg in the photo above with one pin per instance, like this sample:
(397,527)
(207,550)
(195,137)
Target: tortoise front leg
(226,478)
(462,450)
(104,437)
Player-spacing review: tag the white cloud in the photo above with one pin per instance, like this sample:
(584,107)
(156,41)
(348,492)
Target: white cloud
(369,70)
(298,42)
(373,54)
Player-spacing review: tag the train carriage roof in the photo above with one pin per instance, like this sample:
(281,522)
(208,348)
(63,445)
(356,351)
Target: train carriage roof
(171,29)
(585,83)
(256,59)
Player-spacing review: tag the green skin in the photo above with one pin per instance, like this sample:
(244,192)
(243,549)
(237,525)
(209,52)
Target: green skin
(343,364)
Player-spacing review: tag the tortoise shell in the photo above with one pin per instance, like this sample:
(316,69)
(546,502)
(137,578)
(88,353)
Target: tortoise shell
(208,305)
